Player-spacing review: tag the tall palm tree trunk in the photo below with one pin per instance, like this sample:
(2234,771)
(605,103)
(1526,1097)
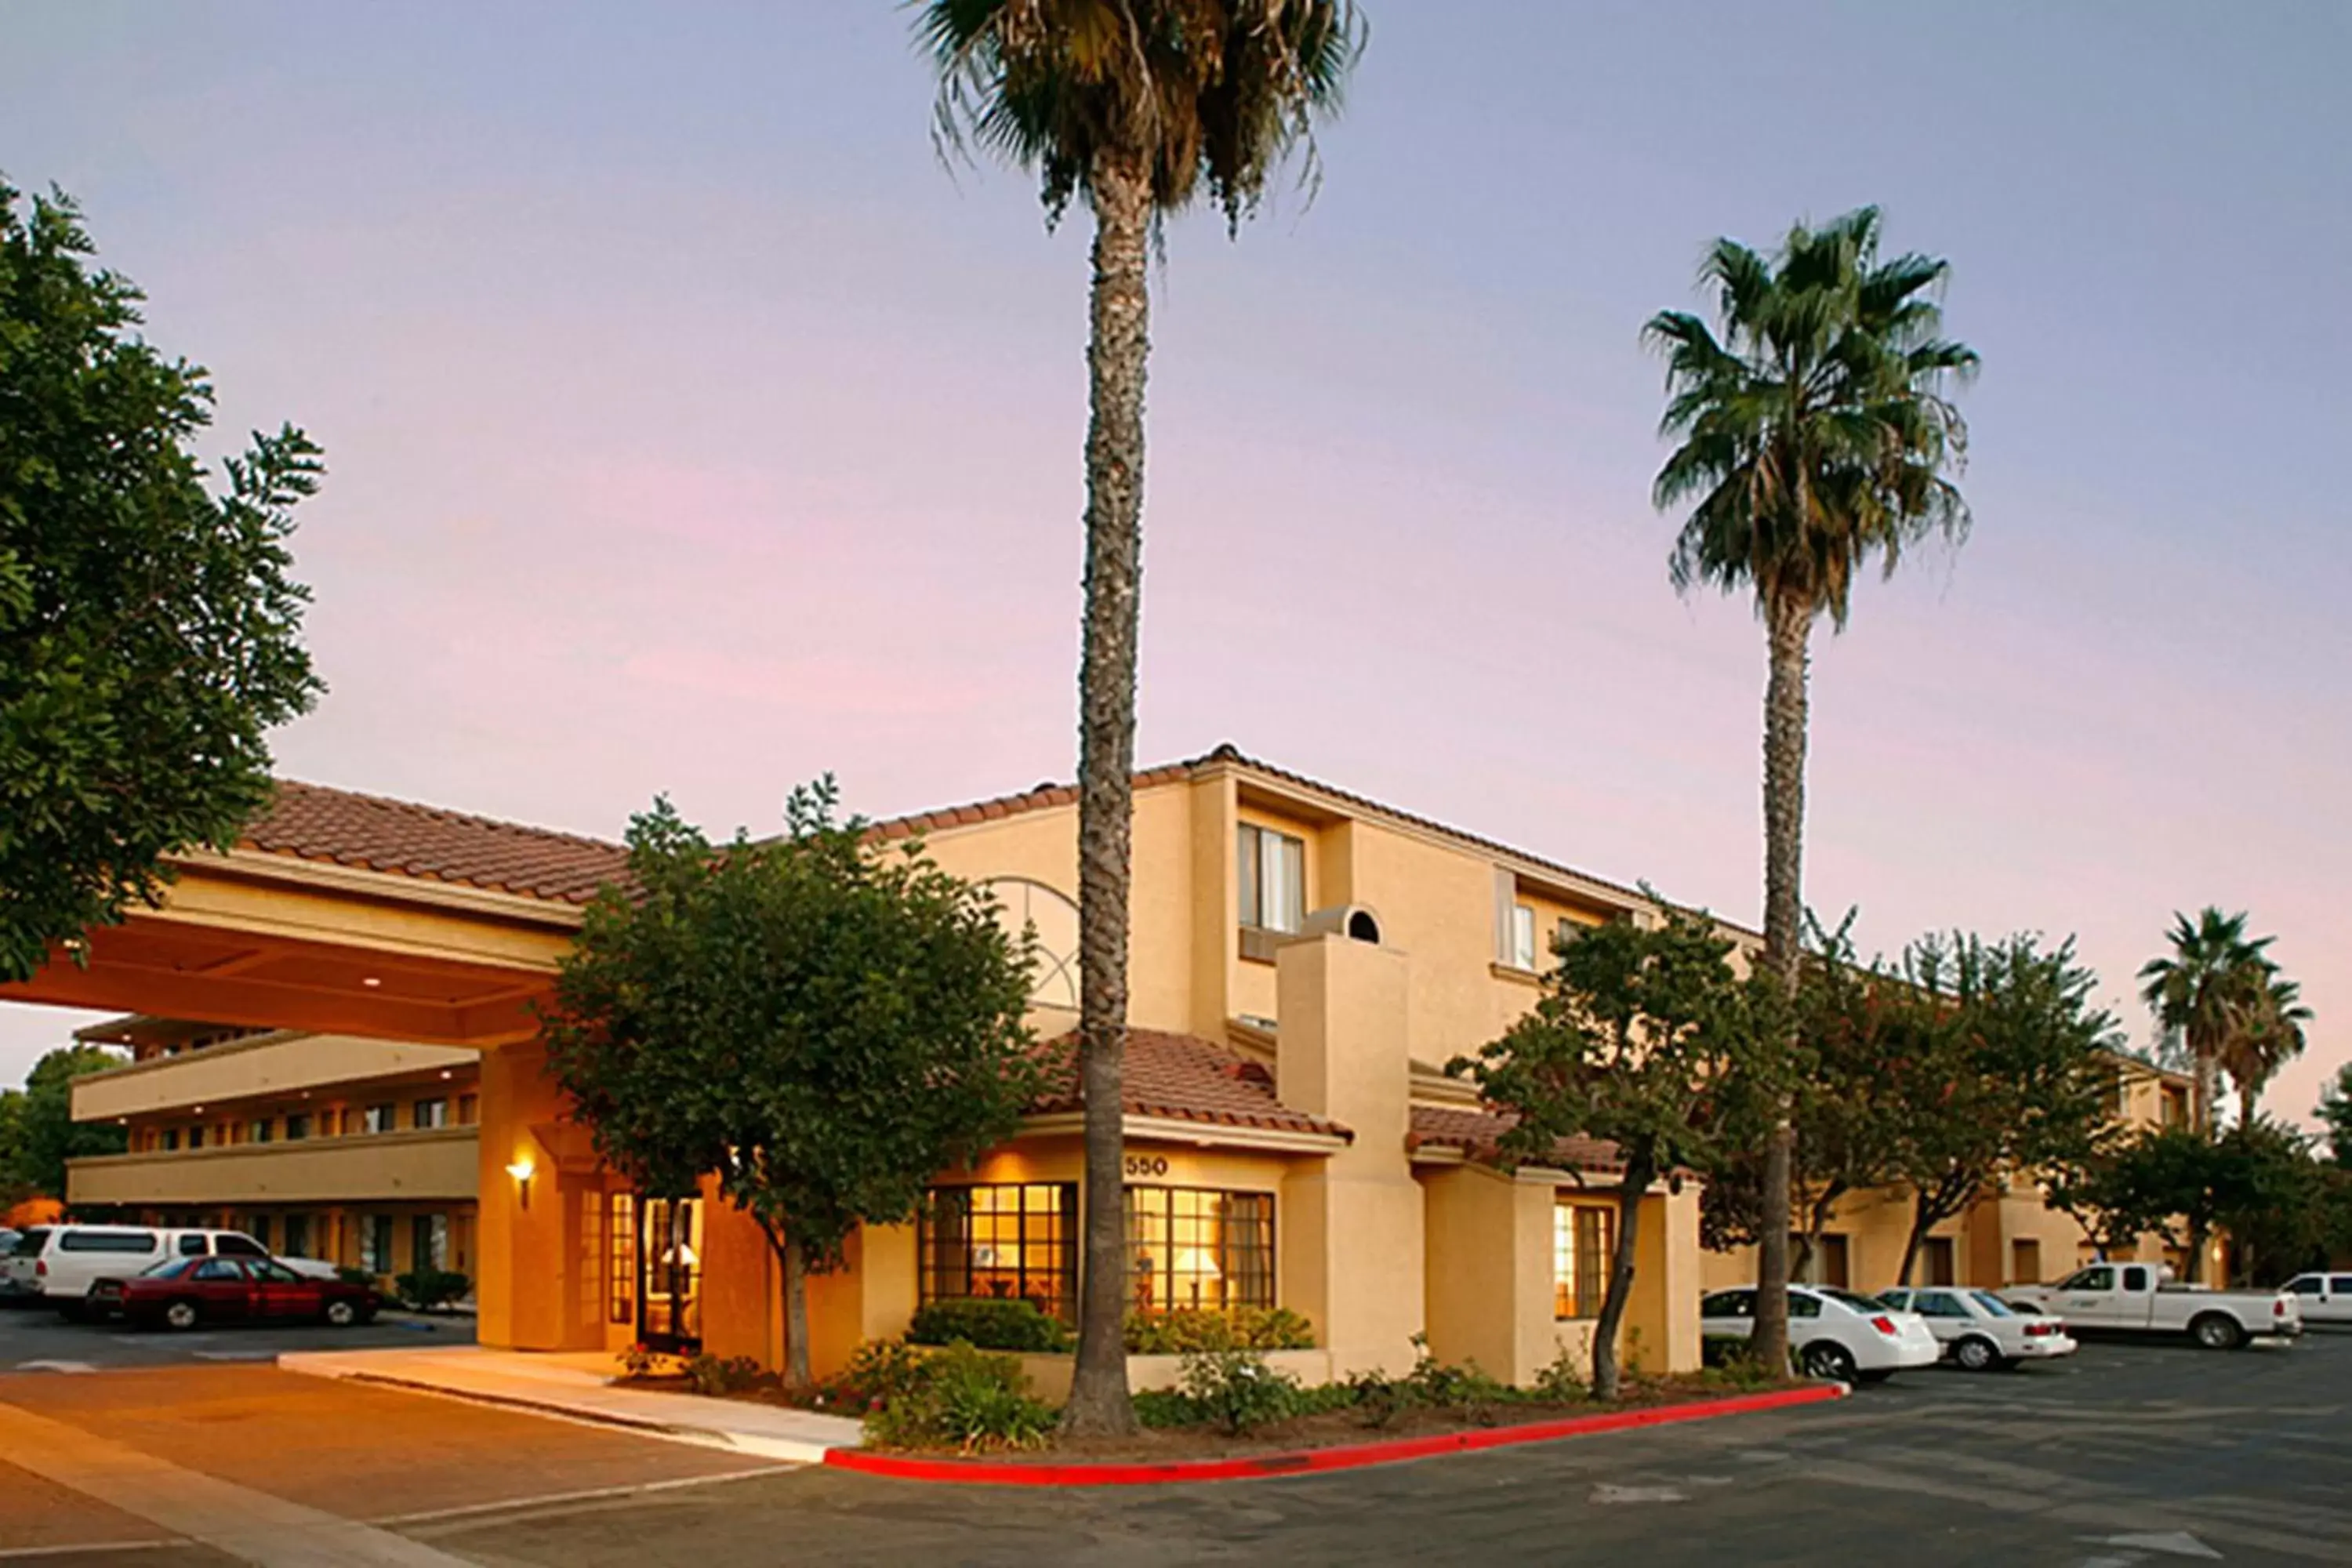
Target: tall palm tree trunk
(1115,352)
(1788,623)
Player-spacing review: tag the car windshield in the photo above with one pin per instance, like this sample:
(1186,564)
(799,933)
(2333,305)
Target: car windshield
(1858,1302)
(169,1268)
(1992,1303)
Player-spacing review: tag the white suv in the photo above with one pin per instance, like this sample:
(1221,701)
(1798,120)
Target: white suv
(59,1263)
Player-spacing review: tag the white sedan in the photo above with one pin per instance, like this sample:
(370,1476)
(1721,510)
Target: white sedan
(1979,1331)
(1834,1333)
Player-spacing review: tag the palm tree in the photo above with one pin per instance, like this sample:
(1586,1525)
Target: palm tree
(1815,436)
(2264,1035)
(2202,988)
(1134,108)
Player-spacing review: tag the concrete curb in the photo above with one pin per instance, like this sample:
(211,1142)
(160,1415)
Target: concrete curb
(751,1444)
(1313,1461)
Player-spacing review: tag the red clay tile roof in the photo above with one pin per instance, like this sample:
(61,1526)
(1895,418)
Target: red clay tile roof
(312,822)
(1046,795)
(1184,1079)
(1476,1132)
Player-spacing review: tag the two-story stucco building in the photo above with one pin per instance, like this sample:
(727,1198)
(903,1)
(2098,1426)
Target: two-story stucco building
(360,1151)
(1302,962)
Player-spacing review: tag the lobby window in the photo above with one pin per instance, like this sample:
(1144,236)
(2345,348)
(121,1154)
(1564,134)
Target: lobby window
(1583,1243)
(298,1126)
(298,1235)
(375,1119)
(428,1114)
(1189,1248)
(1009,1242)
(375,1244)
(621,1258)
(1273,868)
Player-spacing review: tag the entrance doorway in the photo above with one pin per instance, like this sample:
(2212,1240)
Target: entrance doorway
(669,1275)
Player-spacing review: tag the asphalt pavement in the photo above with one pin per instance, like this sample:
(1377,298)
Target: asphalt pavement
(2129,1456)
(34,1339)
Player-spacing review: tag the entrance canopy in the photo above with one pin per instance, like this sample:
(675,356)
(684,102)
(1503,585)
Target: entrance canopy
(348,914)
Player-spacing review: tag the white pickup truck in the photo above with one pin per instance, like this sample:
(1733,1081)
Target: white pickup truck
(2142,1297)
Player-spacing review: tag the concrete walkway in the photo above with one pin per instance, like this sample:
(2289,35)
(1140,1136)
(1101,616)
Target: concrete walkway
(581,1387)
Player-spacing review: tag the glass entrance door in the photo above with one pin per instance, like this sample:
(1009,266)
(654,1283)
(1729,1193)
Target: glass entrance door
(669,1274)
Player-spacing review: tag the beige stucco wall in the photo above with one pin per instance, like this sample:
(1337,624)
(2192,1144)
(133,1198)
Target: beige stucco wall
(408,1166)
(246,1069)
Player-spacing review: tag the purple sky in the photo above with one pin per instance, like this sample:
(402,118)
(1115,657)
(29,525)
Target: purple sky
(691,429)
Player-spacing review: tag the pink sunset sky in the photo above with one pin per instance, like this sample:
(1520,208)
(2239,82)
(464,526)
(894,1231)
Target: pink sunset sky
(691,429)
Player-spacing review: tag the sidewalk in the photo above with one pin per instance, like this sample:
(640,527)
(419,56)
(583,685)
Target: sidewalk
(579,1386)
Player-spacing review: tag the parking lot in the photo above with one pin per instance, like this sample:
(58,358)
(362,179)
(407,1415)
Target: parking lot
(33,1339)
(2129,1454)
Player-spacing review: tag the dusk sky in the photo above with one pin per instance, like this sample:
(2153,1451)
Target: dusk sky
(691,428)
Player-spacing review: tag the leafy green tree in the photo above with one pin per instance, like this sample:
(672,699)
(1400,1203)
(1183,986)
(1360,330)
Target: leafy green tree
(148,627)
(37,1131)
(2335,1114)
(14,1187)
(2201,991)
(1644,1037)
(820,1024)
(1815,436)
(1136,108)
(2010,1075)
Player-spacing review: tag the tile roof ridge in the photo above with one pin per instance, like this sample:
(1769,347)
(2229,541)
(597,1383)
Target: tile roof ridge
(443,813)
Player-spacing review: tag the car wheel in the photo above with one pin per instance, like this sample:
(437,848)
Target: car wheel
(2214,1331)
(341,1314)
(1976,1354)
(180,1315)
(1829,1359)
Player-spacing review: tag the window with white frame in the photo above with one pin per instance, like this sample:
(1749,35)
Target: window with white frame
(1523,937)
(1273,868)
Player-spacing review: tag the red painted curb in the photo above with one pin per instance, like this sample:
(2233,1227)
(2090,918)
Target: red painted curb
(1310,1461)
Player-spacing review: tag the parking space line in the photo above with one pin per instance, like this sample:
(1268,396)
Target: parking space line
(590,1495)
(251,1526)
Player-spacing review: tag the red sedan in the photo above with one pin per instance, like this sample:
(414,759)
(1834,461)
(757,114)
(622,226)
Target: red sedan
(184,1291)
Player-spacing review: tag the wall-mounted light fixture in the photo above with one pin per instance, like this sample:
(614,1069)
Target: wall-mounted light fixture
(522,1169)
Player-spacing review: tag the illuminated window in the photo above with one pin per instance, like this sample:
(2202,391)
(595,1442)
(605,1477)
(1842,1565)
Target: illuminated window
(377,1118)
(1583,1242)
(429,1113)
(1273,868)
(1523,937)
(1007,1242)
(1188,1248)
(621,1258)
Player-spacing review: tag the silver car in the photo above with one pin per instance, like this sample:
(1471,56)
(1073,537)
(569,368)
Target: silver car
(1978,1331)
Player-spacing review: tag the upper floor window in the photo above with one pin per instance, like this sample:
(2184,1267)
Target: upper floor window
(170,1140)
(376,1119)
(195,1137)
(261,1130)
(469,1109)
(1273,878)
(1523,937)
(429,1113)
(298,1126)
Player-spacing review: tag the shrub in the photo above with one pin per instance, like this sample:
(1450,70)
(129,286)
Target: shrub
(1236,1389)
(1377,1396)
(430,1290)
(966,1399)
(1465,1390)
(1241,1328)
(878,1372)
(1733,1363)
(351,1276)
(637,1361)
(987,1324)
(710,1375)
(1562,1381)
